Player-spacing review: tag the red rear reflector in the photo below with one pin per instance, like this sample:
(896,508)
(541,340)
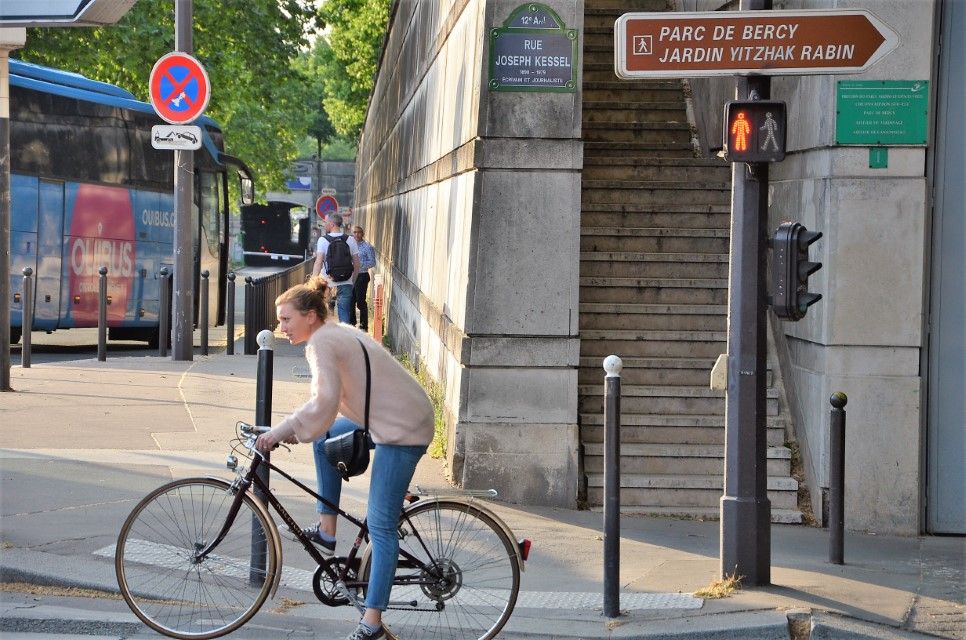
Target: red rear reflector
(524,545)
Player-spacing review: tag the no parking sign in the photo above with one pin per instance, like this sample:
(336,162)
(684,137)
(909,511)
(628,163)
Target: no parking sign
(325,205)
(179,88)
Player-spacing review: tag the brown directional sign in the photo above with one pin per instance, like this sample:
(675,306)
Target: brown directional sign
(725,43)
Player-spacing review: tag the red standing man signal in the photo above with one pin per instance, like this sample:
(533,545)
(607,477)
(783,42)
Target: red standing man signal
(740,130)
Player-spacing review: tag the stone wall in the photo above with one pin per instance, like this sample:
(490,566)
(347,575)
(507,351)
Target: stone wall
(472,200)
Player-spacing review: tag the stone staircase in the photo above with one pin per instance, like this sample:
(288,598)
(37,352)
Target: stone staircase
(654,290)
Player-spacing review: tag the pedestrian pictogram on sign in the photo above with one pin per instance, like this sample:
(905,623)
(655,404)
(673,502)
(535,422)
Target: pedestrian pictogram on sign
(179,88)
(754,131)
(326,204)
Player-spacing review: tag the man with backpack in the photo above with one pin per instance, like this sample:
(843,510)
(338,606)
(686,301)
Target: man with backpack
(337,258)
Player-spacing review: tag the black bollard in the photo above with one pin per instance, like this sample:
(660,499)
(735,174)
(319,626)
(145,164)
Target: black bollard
(250,335)
(230,315)
(836,478)
(102,315)
(263,418)
(612,486)
(203,313)
(164,312)
(27,318)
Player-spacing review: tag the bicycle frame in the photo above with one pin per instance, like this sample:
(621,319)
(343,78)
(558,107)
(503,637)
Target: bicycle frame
(244,483)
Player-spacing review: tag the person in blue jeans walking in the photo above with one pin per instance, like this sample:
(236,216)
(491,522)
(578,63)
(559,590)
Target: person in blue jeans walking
(341,278)
(400,423)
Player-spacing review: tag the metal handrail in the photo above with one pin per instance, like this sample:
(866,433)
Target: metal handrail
(260,297)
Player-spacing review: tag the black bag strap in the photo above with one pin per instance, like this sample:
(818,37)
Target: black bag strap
(368,381)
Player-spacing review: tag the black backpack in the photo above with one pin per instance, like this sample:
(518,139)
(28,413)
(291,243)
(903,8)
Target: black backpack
(338,258)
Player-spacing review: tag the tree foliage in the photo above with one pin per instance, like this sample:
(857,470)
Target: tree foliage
(269,88)
(347,58)
(259,97)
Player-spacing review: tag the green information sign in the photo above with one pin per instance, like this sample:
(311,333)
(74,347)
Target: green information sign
(533,51)
(881,112)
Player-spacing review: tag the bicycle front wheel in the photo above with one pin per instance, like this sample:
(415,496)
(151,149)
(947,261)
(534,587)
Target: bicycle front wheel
(468,583)
(163,579)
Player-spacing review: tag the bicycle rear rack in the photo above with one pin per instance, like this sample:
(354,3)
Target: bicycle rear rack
(450,492)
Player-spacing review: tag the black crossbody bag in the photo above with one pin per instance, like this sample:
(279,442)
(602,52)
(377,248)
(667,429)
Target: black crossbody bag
(349,453)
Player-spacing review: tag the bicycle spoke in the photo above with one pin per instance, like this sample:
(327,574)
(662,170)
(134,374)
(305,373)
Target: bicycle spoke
(168,585)
(470,571)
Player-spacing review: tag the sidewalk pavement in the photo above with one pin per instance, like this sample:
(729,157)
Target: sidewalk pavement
(82,441)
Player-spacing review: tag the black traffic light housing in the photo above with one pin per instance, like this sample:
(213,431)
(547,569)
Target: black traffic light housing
(791,269)
(754,131)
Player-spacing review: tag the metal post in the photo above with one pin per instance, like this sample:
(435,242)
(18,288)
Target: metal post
(203,315)
(250,343)
(836,479)
(230,316)
(164,312)
(27,317)
(184,168)
(612,486)
(10,38)
(263,418)
(745,508)
(102,315)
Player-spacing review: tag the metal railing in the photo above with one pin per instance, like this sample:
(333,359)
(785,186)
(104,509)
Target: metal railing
(260,297)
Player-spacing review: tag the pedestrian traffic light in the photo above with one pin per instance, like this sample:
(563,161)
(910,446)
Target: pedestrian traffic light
(754,131)
(790,270)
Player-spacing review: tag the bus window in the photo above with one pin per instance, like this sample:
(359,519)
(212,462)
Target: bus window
(210,209)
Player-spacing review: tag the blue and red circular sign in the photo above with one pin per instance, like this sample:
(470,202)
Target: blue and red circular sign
(179,88)
(326,204)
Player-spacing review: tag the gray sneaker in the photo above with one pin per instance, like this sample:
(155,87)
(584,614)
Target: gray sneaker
(361,634)
(327,547)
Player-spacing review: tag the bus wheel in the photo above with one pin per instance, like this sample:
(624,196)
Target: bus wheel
(15,333)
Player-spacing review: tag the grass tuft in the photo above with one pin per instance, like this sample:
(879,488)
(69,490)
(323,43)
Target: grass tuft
(723,588)
(437,395)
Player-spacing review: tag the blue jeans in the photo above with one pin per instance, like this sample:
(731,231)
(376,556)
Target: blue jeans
(343,301)
(392,467)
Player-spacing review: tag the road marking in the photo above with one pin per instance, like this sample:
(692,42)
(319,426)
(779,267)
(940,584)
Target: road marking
(169,557)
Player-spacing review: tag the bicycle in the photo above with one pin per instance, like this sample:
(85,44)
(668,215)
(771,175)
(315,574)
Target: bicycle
(198,557)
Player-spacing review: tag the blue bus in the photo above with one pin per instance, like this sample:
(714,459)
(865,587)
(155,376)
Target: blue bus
(89,190)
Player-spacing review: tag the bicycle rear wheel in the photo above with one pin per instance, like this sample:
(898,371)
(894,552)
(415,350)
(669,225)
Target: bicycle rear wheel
(470,581)
(164,582)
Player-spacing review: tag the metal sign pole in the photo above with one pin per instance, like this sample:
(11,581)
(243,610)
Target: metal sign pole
(745,509)
(9,39)
(184,168)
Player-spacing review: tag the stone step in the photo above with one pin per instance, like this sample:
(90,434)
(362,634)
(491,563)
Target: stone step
(597,192)
(654,371)
(660,344)
(592,430)
(684,459)
(603,215)
(593,366)
(630,112)
(703,242)
(619,7)
(594,147)
(685,491)
(630,265)
(656,170)
(606,319)
(681,405)
(639,93)
(654,290)
(654,192)
(701,514)
(672,136)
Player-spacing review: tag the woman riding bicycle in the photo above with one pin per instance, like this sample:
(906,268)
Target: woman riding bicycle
(400,422)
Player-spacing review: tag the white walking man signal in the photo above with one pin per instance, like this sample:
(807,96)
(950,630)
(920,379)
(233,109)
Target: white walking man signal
(769,128)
